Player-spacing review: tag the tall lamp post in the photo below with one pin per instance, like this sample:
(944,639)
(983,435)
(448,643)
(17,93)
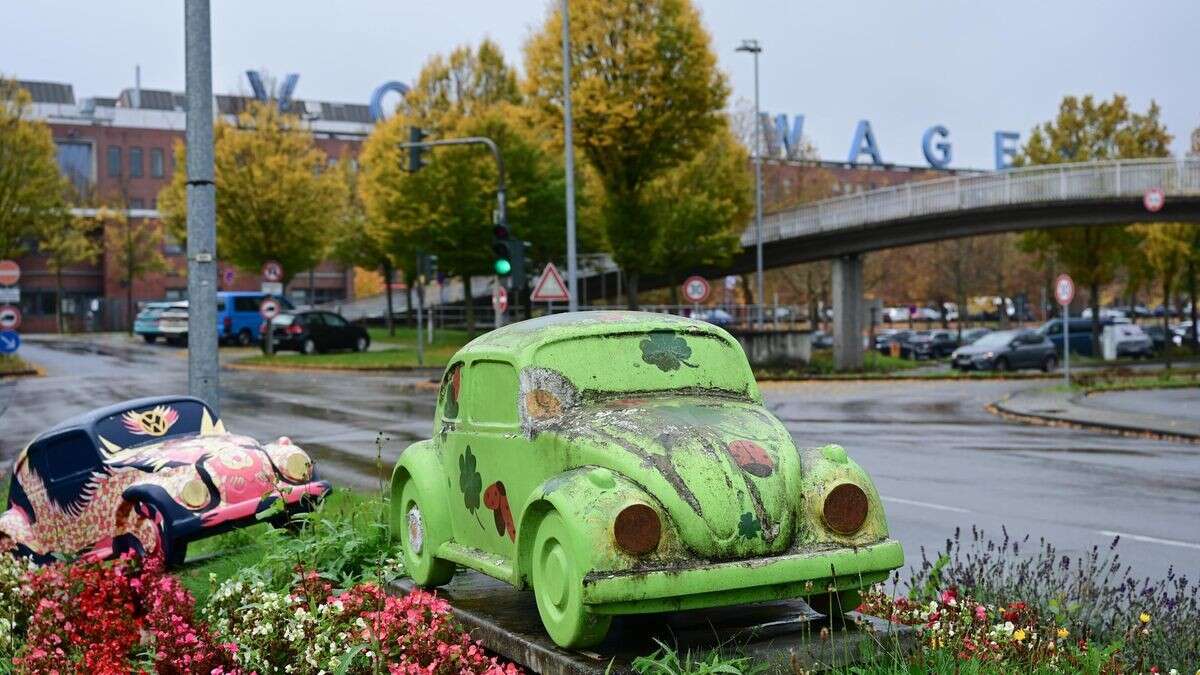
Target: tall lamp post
(572,270)
(752,47)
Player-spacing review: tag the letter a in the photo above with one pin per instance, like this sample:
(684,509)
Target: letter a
(864,142)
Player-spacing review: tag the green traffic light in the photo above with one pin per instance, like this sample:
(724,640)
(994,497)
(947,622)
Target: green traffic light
(503,267)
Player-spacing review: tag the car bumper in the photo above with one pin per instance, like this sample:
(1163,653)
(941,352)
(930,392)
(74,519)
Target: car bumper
(742,581)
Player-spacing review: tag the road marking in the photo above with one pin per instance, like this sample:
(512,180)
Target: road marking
(912,502)
(1148,540)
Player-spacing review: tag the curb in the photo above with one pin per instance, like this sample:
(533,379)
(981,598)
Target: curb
(998,409)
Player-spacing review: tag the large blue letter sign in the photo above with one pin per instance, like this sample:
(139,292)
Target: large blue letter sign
(377,113)
(1006,148)
(791,141)
(284,94)
(864,141)
(936,160)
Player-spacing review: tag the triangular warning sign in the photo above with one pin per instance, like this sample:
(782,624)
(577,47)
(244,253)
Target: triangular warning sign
(550,287)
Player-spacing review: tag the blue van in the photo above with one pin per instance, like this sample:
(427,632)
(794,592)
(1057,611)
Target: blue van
(1081,334)
(238,320)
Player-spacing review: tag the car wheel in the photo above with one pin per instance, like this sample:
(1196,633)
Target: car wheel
(361,344)
(149,338)
(1001,365)
(243,338)
(835,605)
(1049,363)
(558,588)
(419,561)
(152,537)
(309,347)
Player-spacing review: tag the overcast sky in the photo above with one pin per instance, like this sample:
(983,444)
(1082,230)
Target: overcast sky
(974,66)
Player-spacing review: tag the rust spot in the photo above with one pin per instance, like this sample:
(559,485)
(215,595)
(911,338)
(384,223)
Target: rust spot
(751,457)
(542,404)
(637,529)
(845,508)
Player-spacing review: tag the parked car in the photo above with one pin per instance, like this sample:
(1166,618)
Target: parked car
(147,476)
(146,321)
(932,344)
(1081,334)
(885,338)
(971,335)
(173,323)
(716,316)
(624,463)
(822,340)
(1133,341)
(1007,350)
(313,332)
(1157,335)
(238,319)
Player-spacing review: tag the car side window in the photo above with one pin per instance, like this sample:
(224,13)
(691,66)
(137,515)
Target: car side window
(245,304)
(311,320)
(451,392)
(492,390)
(64,457)
(334,320)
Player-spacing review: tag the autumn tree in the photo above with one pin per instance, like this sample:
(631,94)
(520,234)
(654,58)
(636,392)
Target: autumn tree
(1086,130)
(646,96)
(1168,249)
(31,188)
(134,249)
(67,242)
(276,200)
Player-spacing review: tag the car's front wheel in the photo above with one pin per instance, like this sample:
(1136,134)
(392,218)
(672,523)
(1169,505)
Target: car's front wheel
(152,537)
(361,344)
(422,566)
(834,605)
(1049,363)
(1002,365)
(309,347)
(558,588)
(149,338)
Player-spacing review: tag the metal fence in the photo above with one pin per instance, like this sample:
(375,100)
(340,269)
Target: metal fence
(1027,185)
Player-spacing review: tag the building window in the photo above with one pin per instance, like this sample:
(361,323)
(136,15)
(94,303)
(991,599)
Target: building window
(114,161)
(156,162)
(137,204)
(135,162)
(171,245)
(75,162)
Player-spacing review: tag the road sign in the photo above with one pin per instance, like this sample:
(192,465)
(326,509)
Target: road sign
(1153,199)
(10,272)
(550,287)
(272,287)
(696,289)
(500,298)
(272,271)
(228,275)
(269,308)
(730,282)
(10,317)
(10,294)
(1064,289)
(10,341)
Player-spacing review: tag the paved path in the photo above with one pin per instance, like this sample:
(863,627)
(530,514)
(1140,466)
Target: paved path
(1182,404)
(1170,413)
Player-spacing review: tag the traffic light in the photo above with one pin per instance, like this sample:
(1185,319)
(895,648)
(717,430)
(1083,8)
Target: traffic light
(427,266)
(510,256)
(415,135)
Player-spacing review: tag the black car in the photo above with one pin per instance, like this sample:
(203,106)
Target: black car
(315,331)
(885,338)
(932,344)
(1007,350)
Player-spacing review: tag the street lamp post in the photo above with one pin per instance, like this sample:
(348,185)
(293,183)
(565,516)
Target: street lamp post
(752,47)
(572,271)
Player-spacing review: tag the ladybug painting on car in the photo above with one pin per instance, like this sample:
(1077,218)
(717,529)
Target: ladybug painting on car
(628,466)
(147,476)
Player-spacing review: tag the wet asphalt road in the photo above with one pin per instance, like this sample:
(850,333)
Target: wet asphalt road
(938,458)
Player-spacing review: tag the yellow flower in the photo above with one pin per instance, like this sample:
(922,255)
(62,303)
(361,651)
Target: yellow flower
(1144,617)
(1063,632)
(1019,634)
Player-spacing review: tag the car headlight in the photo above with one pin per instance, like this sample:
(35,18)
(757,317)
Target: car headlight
(988,355)
(845,508)
(637,529)
(194,494)
(296,466)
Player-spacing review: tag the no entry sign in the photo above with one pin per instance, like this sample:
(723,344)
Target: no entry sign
(1064,289)
(10,317)
(1153,199)
(10,272)
(269,308)
(696,289)
(500,299)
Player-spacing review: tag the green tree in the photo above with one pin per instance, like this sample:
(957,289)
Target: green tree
(134,249)
(1086,130)
(1168,247)
(67,242)
(276,200)
(646,95)
(31,187)
(702,208)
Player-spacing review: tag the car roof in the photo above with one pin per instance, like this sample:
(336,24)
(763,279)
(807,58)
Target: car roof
(518,341)
(234,294)
(87,420)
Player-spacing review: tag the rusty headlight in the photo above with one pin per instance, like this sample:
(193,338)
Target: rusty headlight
(637,529)
(296,466)
(845,508)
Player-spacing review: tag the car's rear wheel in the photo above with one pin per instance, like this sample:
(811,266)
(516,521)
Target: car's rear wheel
(309,347)
(149,338)
(243,338)
(558,588)
(1049,363)
(422,566)
(361,344)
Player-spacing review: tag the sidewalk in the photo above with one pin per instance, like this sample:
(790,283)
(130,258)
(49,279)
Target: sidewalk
(1056,405)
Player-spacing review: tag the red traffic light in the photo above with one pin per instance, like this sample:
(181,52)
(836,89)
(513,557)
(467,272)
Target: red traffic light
(500,232)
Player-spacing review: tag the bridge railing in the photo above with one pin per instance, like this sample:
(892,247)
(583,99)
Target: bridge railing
(1026,185)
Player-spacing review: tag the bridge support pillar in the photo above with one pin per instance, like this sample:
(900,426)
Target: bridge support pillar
(848,312)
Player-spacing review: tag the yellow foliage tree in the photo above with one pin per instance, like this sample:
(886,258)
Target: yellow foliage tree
(66,242)
(1168,248)
(31,187)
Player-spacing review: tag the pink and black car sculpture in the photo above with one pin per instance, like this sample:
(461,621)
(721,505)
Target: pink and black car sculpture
(148,476)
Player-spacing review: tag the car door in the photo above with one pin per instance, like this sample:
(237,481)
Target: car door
(65,462)
(507,473)
(339,331)
(1029,348)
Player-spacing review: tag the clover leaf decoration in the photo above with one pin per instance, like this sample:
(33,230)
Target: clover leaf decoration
(469,481)
(749,527)
(667,351)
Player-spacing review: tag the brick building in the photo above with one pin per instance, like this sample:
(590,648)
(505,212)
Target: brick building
(122,150)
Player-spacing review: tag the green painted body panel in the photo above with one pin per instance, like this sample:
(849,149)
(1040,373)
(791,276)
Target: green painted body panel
(583,415)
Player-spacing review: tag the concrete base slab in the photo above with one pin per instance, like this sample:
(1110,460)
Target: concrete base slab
(784,634)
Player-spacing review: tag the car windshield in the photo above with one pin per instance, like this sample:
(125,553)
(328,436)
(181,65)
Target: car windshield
(1000,339)
(644,362)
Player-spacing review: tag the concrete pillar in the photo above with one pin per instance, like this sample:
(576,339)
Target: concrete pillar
(848,312)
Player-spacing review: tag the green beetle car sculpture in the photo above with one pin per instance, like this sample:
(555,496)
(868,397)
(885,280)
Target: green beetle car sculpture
(624,463)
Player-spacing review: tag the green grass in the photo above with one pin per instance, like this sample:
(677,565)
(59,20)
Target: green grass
(821,363)
(1165,379)
(12,364)
(401,353)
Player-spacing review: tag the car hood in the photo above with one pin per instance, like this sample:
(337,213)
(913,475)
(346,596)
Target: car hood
(976,350)
(725,469)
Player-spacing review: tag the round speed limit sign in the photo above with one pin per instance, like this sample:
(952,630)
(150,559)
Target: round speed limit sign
(1064,289)
(696,289)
